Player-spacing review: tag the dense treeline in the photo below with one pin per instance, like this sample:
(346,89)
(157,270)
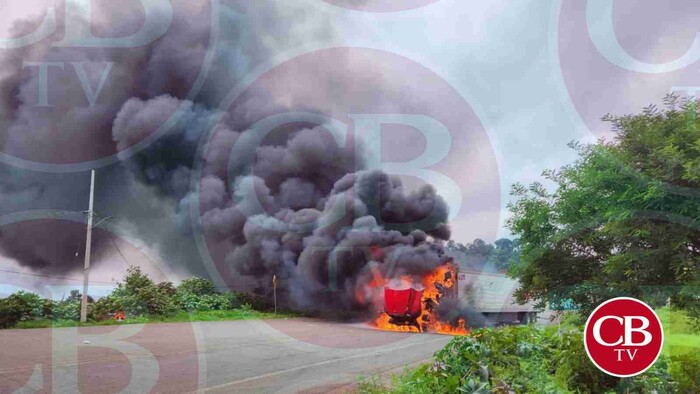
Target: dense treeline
(479,255)
(136,296)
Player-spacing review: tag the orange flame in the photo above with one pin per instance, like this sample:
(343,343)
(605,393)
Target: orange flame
(438,283)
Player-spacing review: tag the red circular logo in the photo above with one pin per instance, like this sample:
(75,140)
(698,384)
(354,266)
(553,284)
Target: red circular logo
(623,337)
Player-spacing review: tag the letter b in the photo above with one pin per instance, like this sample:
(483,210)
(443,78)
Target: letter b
(629,330)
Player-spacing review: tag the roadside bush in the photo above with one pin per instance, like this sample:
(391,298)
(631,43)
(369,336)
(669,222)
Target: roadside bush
(139,295)
(199,294)
(23,306)
(69,308)
(570,319)
(197,286)
(508,360)
(257,302)
(685,370)
(11,312)
(167,288)
(209,302)
(66,310)
(38,308)
(575,369)
(656,379)
(104,307)
(527,359)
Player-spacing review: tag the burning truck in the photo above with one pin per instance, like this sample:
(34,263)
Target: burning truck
(411,303)
(448,301)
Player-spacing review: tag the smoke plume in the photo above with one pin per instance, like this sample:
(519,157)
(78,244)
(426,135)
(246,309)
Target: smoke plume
(304,208)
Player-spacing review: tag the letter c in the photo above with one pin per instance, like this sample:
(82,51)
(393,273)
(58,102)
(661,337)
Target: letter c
(596,330)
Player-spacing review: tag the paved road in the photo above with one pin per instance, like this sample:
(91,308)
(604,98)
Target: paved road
(290,355)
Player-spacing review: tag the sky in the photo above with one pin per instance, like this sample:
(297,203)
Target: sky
(512,82)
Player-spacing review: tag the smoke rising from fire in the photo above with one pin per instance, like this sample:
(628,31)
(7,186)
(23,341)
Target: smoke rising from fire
(300,206)
(304,209)
(71,129)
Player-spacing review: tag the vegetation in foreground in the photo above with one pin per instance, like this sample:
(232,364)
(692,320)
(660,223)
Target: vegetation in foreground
(141,301)
(528,359)
(623,220)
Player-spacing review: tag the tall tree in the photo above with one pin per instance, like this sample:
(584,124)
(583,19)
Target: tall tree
(624,219)
(476,255)
(506,252)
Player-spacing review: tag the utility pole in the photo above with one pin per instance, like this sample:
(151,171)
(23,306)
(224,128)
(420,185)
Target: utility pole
(274,290)
(86,272)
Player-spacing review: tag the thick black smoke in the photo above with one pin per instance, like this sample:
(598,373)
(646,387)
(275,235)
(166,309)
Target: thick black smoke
(79,131)
(304,209)
(48,246)
(159,75)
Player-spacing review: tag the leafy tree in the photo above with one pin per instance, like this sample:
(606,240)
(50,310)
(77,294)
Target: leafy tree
(197,286)
(21,306)
(139,295)
(623,219)
(502,253)
(76,296)
(67,310)
(506,252)
(200,294)
(167,288)
(480,247)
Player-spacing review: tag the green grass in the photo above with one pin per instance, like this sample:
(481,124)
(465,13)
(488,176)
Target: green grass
(182,316)
(676,321)
(679,334)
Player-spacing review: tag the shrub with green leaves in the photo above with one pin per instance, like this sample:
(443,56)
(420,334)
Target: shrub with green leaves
(104,307)
(199,294)
(23,306)
(69,308)
(197,286)
(257,302)
(513,359)
(685,370)
(66,310)
(575,370)
(528,359)
(209,302)
(139,295)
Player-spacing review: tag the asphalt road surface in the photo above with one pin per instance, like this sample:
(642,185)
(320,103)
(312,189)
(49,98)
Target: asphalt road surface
(255,356)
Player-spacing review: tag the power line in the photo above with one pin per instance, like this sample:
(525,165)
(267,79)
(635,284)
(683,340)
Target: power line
(49,276)
(111,237)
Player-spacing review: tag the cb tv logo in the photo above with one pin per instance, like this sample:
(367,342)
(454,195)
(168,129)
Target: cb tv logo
(623,337)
